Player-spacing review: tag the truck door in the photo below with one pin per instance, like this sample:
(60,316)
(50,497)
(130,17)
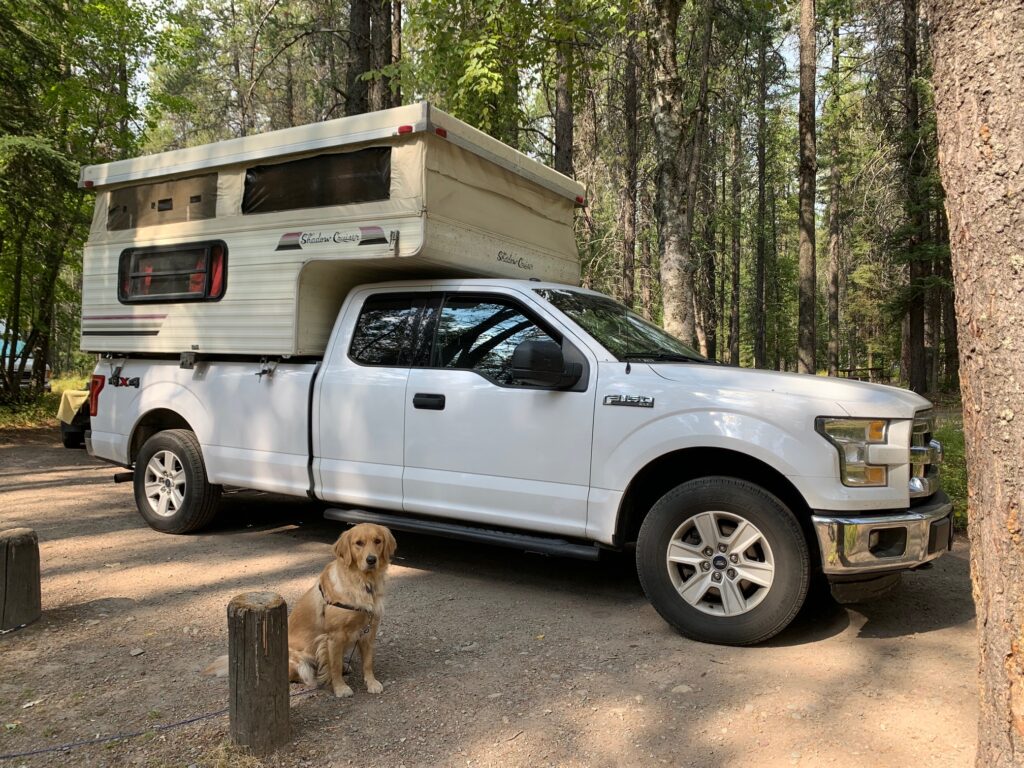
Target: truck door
(478,446)
(359,410)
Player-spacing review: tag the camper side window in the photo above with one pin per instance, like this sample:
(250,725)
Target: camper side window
(314,182)
(192,272)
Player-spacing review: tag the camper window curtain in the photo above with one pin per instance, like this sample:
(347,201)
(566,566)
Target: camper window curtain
(314,182)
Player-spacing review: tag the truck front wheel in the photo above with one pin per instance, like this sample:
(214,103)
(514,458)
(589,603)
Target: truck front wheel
(723,561)
(171,489)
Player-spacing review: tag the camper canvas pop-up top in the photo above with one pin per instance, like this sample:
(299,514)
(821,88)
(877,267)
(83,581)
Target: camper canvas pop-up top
(381,313)
(256,241)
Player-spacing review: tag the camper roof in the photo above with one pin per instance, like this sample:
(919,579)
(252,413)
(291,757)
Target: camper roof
(372,126)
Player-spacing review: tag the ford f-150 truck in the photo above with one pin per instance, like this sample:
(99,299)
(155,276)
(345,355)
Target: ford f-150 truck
(510,409)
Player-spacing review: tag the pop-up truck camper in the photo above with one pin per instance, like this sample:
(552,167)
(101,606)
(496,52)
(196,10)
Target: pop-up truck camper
(382,313)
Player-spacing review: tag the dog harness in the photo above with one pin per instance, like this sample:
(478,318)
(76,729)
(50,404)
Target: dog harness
(346,606)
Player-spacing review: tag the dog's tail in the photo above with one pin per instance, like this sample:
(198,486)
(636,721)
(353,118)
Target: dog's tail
(304,666)
(323,662)
(218,667)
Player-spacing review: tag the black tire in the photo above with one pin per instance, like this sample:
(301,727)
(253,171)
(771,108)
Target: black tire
(781,549)
(189,501)
(70,437)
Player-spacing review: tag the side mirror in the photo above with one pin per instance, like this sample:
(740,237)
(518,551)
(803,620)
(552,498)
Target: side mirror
(541,364)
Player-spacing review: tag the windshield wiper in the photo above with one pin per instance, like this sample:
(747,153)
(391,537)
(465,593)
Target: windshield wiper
(663,357)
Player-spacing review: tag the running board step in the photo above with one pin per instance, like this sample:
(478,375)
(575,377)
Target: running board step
(539,544)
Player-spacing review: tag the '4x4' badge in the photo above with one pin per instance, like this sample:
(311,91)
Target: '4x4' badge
(123,381)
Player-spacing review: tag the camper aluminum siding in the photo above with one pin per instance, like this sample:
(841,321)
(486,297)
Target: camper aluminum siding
(459,203)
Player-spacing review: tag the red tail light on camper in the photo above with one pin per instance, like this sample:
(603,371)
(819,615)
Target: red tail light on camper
(95,387)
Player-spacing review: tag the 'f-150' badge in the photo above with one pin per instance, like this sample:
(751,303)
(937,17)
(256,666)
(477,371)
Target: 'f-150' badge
(634,401)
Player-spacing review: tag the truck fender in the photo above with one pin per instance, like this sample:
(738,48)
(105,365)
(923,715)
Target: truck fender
(167,405)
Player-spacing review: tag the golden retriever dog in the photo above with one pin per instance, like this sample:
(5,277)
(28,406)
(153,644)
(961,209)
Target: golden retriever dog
(342,611)
(339,613)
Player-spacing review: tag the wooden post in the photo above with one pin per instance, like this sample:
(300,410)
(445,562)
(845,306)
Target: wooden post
(258,671)
(20,601)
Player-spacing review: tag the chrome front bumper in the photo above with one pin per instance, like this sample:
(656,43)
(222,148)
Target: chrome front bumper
(853,544)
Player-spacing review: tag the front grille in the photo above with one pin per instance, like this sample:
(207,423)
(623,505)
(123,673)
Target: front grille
(925,457)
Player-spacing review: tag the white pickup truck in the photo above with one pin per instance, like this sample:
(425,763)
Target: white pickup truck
(524,412)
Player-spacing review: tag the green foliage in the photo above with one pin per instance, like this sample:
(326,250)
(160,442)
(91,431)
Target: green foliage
(950,432)
(74,75)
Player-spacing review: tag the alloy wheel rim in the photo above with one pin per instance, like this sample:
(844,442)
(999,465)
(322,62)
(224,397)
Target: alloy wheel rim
(165,483)
(720,563)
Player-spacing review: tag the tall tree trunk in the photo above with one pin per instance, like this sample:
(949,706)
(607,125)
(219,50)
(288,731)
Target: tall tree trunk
(396,50)
(734,304)
(914,170)
(834,218)
(563,95)
(808,170)
(708,295)
(359,61)
(676,171)
(380,54)
(759,253)
(627,196)
(978,57)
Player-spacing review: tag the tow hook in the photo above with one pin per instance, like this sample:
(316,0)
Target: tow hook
(124,477)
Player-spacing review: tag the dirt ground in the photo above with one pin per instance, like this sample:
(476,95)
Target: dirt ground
(489,657)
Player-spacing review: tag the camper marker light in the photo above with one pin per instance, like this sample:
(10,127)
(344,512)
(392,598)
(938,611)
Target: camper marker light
(87,183)
(442,132)
(580,200)
(403,129)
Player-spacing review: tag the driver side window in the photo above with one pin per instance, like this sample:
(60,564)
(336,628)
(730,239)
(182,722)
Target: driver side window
(481,333)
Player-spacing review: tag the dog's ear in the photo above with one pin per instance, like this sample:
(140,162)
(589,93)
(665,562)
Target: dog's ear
(390,545)
(342,548)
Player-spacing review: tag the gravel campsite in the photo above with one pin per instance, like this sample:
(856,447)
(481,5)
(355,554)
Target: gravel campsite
(489,657)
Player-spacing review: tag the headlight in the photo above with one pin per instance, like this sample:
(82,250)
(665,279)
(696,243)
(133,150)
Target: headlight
(851,437)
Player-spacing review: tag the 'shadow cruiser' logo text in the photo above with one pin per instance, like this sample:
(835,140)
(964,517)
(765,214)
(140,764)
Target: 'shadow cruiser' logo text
(516,261)
(634,401)
(295,241)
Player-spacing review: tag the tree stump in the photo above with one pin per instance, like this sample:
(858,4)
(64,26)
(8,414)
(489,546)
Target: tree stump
(258,671)
(20,600)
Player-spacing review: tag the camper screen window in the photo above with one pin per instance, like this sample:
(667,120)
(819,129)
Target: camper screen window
(314,182)
(193,272)
(163,202)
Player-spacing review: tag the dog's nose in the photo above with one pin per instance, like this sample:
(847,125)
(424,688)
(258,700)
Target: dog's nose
(371,559)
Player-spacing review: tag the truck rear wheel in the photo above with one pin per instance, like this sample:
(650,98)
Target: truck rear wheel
(171,489)
(723,561)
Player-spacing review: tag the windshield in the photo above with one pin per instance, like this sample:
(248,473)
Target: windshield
(622,332)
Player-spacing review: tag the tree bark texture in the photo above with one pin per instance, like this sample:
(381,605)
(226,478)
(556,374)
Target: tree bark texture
(758,313)
(627,197)
(358,101)
(808,169)
(835,232)
(978,54)
(734,293)
(915,203)
(676,174)
(380,53)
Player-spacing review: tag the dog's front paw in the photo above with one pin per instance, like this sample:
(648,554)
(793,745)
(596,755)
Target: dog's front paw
(342,691)
(374,686)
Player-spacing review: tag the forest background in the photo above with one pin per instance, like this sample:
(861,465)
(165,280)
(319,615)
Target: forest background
(681,117)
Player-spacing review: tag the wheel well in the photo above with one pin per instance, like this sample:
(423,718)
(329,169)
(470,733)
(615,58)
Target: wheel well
(666,472)
(153,422)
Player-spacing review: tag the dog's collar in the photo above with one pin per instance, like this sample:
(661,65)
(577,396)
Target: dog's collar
(346,606)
